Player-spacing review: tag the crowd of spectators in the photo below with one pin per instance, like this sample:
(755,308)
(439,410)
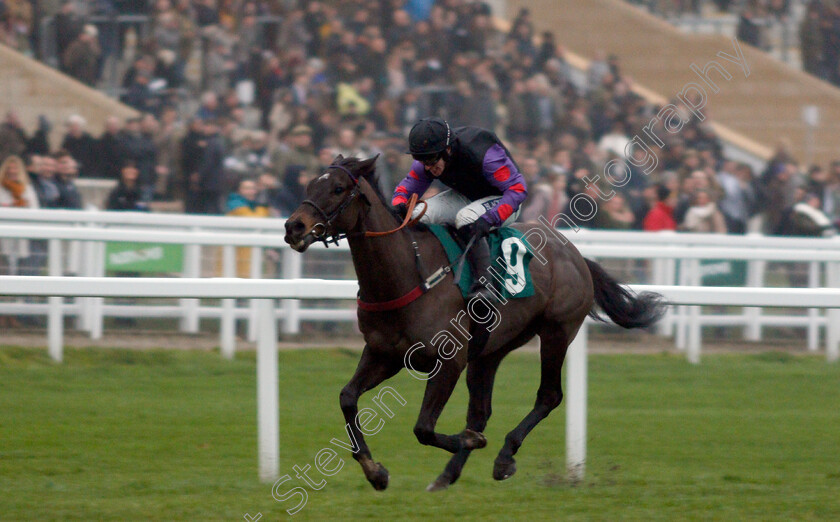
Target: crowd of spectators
(819,32)
(762,24)
(819,40)
(755,15)
(757,19)
(288,85)
(775,8)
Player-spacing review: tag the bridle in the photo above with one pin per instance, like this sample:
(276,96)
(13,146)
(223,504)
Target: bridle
(321,233)
(321,230)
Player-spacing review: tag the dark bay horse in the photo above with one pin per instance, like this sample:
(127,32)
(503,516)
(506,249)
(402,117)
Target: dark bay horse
(343,200)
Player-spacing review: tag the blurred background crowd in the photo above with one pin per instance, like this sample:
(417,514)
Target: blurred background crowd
(812,25)
(241,102)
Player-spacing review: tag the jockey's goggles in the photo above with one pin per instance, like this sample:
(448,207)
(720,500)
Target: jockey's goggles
(428,160)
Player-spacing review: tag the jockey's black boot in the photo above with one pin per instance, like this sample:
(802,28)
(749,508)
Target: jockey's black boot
(478,257)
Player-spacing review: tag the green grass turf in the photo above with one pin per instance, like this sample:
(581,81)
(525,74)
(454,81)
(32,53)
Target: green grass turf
(169,435)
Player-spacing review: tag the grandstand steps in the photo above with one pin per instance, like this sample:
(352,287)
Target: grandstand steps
(31,88)
(763,107)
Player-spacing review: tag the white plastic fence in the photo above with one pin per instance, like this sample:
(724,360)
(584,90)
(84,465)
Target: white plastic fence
(666,252)
(716,246)
(199,222)
(92,311)
(265,292)
(139,219)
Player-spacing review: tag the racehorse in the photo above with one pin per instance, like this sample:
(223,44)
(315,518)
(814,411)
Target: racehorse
(402,326)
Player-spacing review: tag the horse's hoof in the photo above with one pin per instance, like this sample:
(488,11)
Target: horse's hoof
(504,469)
(441,483)
(473,440)
(379,481)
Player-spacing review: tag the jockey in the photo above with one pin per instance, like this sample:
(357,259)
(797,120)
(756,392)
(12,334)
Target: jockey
(486,187)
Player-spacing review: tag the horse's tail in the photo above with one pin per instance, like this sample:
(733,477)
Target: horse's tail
(622,306)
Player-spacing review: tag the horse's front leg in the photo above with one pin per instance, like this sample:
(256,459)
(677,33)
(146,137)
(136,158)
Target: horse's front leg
(480,376)
(370,372)
(438,390)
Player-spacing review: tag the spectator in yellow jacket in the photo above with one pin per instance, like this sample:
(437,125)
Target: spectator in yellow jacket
(242,202)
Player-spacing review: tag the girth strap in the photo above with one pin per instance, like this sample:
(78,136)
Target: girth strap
(408,298)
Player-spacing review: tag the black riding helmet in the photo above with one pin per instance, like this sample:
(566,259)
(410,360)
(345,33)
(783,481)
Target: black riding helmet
(429,138)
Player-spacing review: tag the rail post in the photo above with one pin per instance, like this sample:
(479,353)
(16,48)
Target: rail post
(227,327)
(814,313)
(97,318)
(755,279)
(832,336)
(681,311)
(55,319)
(292,269)
(189,306)
(576,377)
(694,325)
(253,308)
(268,425)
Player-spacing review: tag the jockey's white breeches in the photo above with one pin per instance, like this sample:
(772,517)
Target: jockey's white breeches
(453,208)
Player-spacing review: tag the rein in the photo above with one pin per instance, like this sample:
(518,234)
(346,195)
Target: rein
(407,221)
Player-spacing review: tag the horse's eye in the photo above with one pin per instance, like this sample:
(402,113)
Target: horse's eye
(338,190)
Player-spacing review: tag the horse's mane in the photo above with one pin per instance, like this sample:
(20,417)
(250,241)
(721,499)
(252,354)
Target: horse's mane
(373,180)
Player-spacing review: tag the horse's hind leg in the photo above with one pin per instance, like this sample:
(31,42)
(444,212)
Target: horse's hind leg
(370,372)
(480,376)
(553,345)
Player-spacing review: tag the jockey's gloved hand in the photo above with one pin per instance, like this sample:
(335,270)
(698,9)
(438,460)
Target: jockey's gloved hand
(402,209)
(480,228)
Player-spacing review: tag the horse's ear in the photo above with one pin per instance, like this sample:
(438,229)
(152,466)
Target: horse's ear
(338,158)
(366,167)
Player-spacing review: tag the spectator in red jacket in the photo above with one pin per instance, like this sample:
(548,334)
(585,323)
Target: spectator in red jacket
(661,216)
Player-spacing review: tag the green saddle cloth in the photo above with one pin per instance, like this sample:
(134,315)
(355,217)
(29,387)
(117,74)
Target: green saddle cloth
(511,259)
